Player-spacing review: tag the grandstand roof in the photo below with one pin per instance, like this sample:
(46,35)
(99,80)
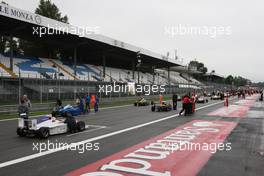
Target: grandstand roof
(182,69)
(212,74)
(90,47)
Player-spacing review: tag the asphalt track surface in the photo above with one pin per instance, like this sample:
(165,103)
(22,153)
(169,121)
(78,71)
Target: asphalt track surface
(120,128)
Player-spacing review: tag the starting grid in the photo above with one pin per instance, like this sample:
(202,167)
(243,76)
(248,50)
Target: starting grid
(154,158)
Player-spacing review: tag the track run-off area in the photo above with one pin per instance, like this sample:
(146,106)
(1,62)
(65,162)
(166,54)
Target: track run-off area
(132,140)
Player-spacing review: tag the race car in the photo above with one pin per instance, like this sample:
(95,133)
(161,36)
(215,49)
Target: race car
(179,98)
(163,106)
(201,99)
(215,97)
(74,111)
(44,126)
(141,102)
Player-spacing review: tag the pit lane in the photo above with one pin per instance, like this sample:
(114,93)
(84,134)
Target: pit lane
(63,162)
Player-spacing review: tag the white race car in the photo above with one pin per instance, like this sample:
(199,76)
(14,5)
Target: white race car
(45,126)
(215,97)
(202,99)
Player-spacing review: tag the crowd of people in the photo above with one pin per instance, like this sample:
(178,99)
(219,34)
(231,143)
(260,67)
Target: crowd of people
(87,102)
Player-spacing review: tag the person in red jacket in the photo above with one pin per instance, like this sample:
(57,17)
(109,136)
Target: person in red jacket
(185,101)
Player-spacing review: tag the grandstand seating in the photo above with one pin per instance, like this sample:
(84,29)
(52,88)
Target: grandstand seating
(31,67)
(190,79)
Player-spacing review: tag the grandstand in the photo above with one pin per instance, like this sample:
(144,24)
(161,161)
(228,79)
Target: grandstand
(95,59)
(30,67)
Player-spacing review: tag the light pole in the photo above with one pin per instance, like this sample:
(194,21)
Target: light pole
(19,83)
(41,83)
(138,63)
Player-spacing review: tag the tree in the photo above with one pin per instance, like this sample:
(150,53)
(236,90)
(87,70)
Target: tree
(199,65)
(229,79)
(3,44)
(50,10)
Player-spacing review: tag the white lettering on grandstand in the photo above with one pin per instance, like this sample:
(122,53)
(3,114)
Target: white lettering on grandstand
(139,161)
(19,14)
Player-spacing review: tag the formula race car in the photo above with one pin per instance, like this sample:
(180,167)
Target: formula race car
(215,97)
(201,99)
(141,102)
(74,111)
(163,106)
(45,126)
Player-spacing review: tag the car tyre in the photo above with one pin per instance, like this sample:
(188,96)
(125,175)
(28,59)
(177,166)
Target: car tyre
(20,132)
(43,133)
(81,126)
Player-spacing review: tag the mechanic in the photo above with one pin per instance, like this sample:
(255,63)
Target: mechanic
(57,107)
(71,122)
(87,103)
(58,104)
(96,104)
(160,98)
(193,101)
(92,100)
(185,102)
(174,101)
(81,105)
(222,96)
(26,100)
(261,96)
(141,99)
(23,109)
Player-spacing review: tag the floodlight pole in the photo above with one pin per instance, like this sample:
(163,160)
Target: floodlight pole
(75,60)
(41,84)
(138,63)
(11,51)
(133,69)
(169,78)
(19,85)
(59,81)
(104,63)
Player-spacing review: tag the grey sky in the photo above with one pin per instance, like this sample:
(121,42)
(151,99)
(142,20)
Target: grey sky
(143,22)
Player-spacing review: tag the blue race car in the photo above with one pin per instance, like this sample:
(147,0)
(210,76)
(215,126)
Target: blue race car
(74,111)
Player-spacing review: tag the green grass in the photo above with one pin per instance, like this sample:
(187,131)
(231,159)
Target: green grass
(105,105)
(15,115)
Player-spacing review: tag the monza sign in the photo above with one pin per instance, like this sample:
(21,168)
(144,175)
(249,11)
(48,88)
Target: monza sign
(157,157)
(12,12)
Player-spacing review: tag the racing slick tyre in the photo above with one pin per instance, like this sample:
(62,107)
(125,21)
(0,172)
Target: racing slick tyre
(20,132)
(43,133)
(153,108)
(135,104)
(81,126)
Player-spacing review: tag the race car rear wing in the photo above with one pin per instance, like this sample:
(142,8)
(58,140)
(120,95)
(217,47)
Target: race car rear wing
(32,123)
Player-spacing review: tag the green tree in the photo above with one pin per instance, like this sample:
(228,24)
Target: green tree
(37,48)
(229,79)
(199,65)
(50,10)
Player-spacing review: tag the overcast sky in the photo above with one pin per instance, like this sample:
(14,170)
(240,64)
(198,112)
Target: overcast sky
(237,49)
